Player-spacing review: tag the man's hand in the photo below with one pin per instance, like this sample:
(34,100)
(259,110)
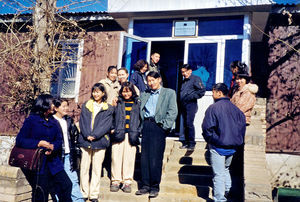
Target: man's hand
(90,138)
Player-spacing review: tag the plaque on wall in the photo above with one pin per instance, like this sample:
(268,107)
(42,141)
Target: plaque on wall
(185,28)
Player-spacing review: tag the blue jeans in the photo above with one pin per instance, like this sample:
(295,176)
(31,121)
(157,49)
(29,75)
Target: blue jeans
(76,193)
(221,180)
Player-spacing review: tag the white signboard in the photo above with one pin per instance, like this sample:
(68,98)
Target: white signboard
(185,28)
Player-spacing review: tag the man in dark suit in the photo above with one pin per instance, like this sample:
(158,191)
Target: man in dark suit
(158,113)
(191,90)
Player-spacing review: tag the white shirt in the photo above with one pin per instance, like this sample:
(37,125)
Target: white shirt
(64,128)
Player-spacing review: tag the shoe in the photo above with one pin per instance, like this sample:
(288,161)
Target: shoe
(114,187)
(142,191)
(191,148)
(184,146)
(94,200)
(153,194)
(126,188)
(85,199)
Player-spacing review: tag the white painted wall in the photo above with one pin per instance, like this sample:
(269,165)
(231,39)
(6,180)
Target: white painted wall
(168,5)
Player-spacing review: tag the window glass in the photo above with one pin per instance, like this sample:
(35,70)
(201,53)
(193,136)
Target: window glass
(63,80)
(233,51)
(153,28)
(223,25)
(203,57)
(133,51)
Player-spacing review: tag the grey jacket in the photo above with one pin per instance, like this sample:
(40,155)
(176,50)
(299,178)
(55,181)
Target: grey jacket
(166,108)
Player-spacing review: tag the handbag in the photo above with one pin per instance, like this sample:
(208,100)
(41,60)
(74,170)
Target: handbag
(29,159)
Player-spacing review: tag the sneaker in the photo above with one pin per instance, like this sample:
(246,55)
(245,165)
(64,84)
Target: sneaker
(153,194)
(126,188)
(142,191)
(184,146)
(114,187)
(94,200)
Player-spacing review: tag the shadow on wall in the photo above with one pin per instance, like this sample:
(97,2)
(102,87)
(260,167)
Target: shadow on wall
(283,107)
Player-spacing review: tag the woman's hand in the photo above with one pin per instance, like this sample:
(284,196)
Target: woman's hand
(49,147)
(44,143)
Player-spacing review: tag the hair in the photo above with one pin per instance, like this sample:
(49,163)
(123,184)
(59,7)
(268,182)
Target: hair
(111,68)
(244,76)
(124,69)
(101,87)
(58,101)
(42,104)
(154,74)
(152,53)
(186,66)
(140,64)
(221,87)
(242,67)
(130,86)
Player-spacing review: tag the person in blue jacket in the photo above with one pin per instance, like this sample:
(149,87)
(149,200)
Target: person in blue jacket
(191,90)
(138,78)
(95,126)
(223,129)
(40,129)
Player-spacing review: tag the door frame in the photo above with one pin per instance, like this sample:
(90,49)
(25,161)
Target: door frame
(121,44)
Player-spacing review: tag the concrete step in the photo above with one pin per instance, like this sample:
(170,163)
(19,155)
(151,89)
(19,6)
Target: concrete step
(106,195)
(165,197)
(188,160)
(185,189)
(191,179)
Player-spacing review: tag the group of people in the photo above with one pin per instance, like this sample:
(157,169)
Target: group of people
(118,114)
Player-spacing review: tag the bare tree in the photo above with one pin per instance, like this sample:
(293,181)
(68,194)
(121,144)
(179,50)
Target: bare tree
(30,52)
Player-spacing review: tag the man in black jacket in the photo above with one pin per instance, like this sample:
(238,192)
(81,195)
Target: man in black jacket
(223,129)
(192,89)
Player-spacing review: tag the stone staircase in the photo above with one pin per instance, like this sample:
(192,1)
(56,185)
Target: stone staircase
(186,177)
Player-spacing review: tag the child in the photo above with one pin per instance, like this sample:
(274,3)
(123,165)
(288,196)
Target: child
(95,123)
(70,151)
(125,138)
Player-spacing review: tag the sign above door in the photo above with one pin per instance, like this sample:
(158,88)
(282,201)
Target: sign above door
(185,28)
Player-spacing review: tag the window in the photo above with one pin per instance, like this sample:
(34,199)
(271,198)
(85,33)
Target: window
(65,80)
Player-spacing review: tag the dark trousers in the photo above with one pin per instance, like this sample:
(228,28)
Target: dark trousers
(42,183)
(153,147)
(189,111)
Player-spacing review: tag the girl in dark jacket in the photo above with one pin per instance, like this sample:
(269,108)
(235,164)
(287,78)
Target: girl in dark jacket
(138,78)
(125,138)
(40,129)
(95,124)
(70,148)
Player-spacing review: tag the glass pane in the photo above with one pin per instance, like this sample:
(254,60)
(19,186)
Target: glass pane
(203,57)
(233,51)
(154,28)
(69,52)
(67,89)
(133,51)
(68,77)
(54,82)
(222,25)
